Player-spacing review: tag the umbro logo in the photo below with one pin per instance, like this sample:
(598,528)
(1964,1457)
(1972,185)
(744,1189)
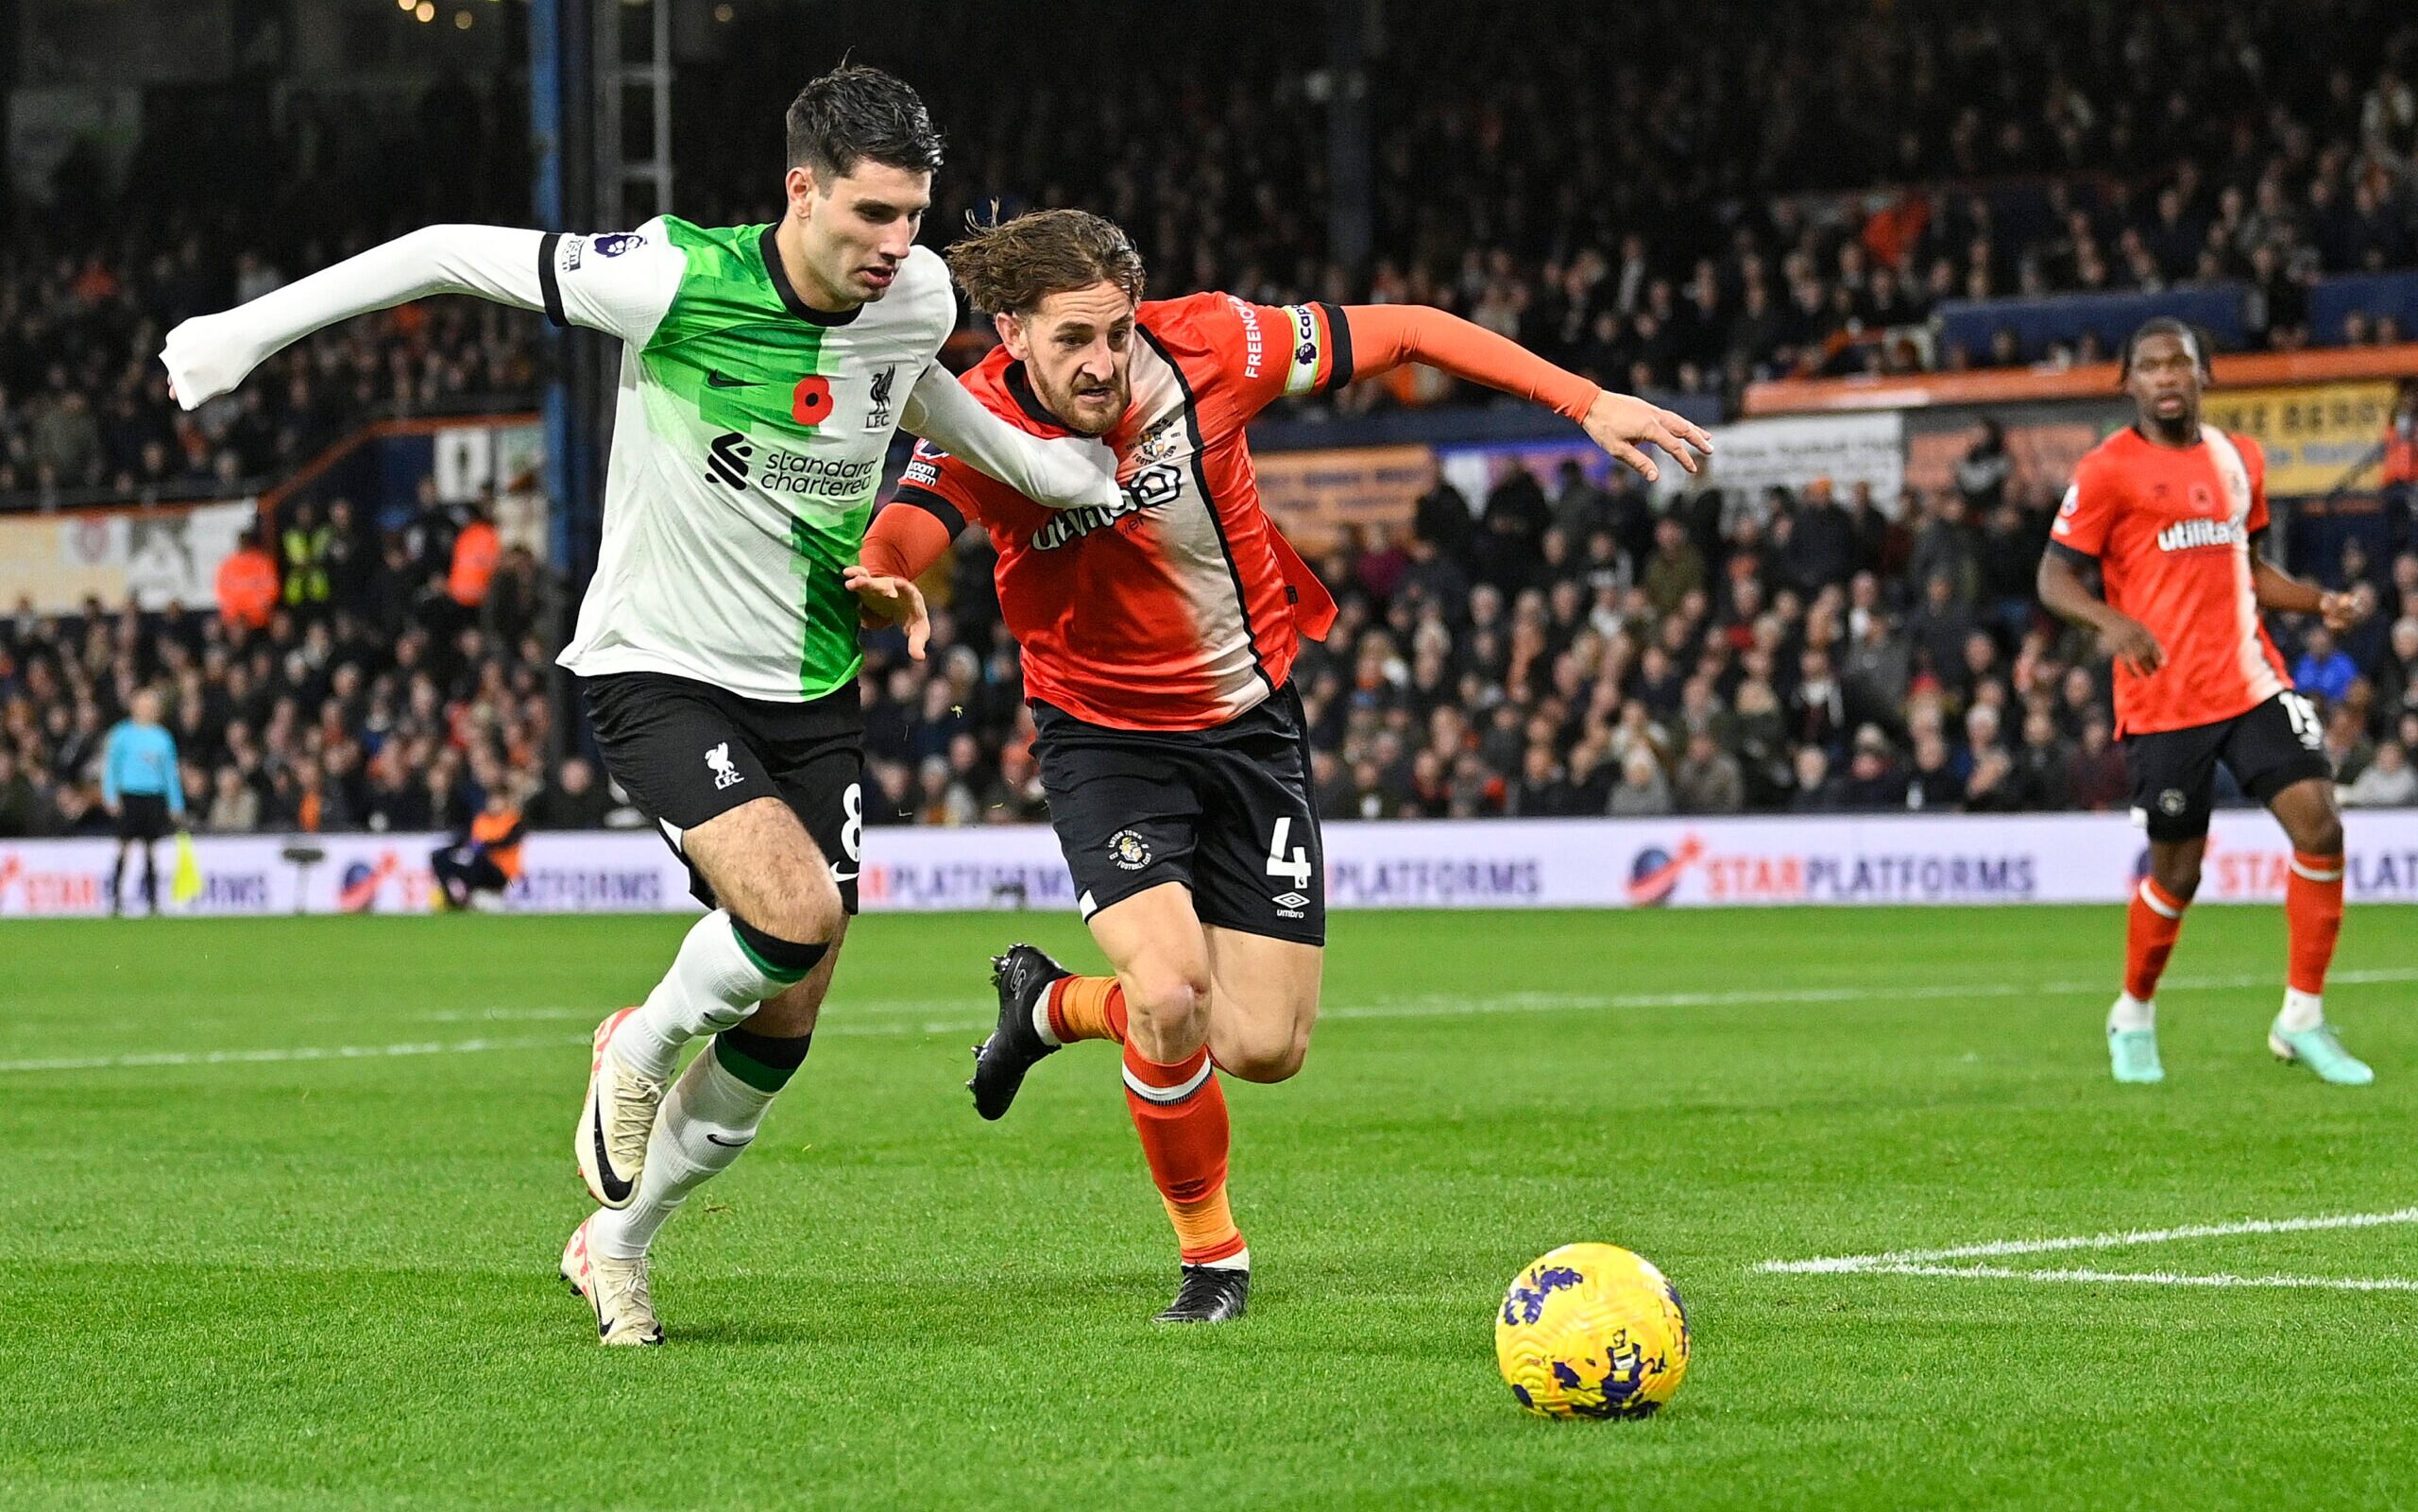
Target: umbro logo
(725,775)
(727,459)
(1290,905)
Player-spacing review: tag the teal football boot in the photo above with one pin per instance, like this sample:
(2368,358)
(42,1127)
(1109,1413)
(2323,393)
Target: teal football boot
(2133,1055)
(2318,1049)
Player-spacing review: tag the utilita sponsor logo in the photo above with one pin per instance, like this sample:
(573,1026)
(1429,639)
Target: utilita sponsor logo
(2190,534)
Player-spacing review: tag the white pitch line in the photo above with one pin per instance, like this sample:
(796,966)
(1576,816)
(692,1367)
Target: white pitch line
(1900,1260)
(274,1054)
(1446,1005)
(2154,1278)
(1434,1005)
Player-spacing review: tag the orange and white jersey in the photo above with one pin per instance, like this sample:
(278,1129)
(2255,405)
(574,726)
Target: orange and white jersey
(1182,607)
(2171,529)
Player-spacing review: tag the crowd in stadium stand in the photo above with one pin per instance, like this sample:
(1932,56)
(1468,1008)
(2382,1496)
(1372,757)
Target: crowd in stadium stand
(84,406)
(1553,651)
(1670,225)
(1663,215)
(380,683)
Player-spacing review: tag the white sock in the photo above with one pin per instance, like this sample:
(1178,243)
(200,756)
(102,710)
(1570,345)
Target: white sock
(2302,1011)
(1041,1018)
(1239,1260)
(712,985)
(2132,1012)
(680,1157)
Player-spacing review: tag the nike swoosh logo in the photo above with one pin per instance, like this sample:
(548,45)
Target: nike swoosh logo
(843,877)
(616,1189)
(716,378)
(712,1138)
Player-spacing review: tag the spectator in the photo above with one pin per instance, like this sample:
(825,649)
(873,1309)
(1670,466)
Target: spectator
(2324,670)
(1874,779)
(1643,791)
(2389,781)
(476,551)
(1543,792)
(2097,778)
(21,802)
(1708,780)
(1981,477)
(1675,571)
(574,800)
(1815,791)
(235,803)
(248,586)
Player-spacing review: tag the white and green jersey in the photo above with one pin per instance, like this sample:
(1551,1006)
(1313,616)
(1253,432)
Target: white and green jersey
(748,442)
(749,433)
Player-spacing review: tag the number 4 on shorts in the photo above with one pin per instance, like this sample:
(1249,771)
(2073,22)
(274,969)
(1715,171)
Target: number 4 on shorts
(1297,869)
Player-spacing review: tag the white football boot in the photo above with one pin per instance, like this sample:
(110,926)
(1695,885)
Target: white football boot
(614,1123)
(616,1288)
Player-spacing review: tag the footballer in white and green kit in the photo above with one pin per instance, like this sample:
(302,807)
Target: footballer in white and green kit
(765,369)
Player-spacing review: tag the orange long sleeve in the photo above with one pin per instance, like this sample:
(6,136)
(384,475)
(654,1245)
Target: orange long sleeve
(1387,336)
(904,541)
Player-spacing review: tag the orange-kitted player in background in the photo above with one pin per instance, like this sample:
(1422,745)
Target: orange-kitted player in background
(2174,513)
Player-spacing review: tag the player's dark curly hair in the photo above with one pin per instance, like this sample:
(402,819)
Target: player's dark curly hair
(2193,337)
(1009,266)
(856,114)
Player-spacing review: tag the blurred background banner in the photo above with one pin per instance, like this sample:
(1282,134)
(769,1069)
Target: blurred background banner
(155,557)
(1315,495)
(1858,860)
(2318,437)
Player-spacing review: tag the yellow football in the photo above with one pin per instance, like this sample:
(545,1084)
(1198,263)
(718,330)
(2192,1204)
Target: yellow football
(1592,1331)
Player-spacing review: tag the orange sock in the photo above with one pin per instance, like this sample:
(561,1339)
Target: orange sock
(2313,913)
(1179,1112)
(2150,933)
(1087,1007)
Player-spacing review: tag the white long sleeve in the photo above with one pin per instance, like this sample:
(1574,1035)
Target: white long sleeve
(1066,473)
(624,291)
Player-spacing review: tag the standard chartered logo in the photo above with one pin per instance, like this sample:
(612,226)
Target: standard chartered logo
(727,459)
(730,459)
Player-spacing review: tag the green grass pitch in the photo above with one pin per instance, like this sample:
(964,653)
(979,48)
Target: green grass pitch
(232,1276)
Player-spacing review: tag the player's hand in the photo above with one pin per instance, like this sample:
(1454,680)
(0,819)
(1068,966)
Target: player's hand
(206,357)
(2130,644)
(2341,611)
(1623,424)
(888,601)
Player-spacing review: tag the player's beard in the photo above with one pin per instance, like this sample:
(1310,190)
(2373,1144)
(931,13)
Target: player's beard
(1095,418)
(2180,428)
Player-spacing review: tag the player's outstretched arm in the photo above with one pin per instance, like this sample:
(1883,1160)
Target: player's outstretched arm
(621,285)
(1386,336)
(1069,473)
(2062,589)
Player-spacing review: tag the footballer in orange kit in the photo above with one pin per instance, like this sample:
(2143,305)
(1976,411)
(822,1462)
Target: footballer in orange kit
(1158,639)
(2174,513)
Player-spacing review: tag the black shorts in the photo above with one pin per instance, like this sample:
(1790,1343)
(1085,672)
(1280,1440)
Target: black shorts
(687,752)
(1225,812)
(143,816)
(2266,749)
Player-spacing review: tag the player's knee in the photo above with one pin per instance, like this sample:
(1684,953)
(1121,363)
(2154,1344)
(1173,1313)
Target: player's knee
(2179,879)
(2320,835)
(1171,997)
(806,909)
